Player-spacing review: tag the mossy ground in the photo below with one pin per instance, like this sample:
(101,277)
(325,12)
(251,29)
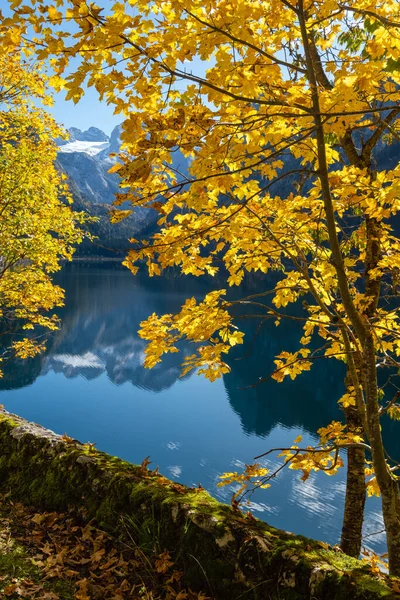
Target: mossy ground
(226,553)
(52,556)
(21,577)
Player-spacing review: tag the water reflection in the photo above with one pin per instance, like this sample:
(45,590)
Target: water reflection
(104,307)
(103,311)
(91,383)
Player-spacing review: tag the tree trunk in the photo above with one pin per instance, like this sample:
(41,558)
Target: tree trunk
(386,480)
(361,323)
(391,518)
(353,517)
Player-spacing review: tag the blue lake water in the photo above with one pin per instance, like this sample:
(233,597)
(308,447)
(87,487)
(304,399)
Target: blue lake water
(91,384)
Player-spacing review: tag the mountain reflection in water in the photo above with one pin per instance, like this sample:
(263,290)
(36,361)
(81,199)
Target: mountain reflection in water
(91,383)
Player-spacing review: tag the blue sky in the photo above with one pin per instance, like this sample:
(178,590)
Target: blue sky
(88,112)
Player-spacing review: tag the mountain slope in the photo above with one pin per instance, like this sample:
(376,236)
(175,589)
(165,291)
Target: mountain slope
(85,159)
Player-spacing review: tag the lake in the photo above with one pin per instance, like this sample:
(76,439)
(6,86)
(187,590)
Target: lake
(91,384)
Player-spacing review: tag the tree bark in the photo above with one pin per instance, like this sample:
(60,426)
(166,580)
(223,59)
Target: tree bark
(386,480)
(353,517)
(391,519)
(361,322)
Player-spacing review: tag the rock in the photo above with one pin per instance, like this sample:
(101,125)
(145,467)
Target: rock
(211,544)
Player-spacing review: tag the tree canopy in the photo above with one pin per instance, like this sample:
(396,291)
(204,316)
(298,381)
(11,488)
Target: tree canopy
(38,227)
(280,117)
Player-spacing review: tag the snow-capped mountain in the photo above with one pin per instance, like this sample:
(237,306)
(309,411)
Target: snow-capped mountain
(91,148)
(93,134)
(85,159)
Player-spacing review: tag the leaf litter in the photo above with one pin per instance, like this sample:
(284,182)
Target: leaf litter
(61,556)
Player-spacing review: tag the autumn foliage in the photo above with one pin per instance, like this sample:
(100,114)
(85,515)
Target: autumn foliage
(279,106)
(38,227)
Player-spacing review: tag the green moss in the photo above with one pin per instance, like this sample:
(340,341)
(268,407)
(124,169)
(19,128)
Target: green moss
(353,585)
(16,566)
(341,562)
(372,586)
(218,549)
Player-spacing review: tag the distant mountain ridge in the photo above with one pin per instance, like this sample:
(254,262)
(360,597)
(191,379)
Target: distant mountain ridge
(93,134)
(85,159)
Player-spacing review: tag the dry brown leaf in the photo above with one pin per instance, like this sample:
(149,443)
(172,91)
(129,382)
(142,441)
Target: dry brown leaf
(97,556)
(396,587)
(82,593)
(9,590)
(125,586)
(163,562)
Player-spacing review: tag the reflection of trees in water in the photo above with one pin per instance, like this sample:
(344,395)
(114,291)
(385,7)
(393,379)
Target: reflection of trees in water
(18,373)
(103,311)
(104,308)
(21,373)
(310,401)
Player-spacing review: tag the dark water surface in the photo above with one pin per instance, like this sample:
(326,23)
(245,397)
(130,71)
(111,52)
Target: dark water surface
(91,384)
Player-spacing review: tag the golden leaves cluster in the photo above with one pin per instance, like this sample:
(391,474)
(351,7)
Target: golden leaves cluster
(205,323)
(38,227)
